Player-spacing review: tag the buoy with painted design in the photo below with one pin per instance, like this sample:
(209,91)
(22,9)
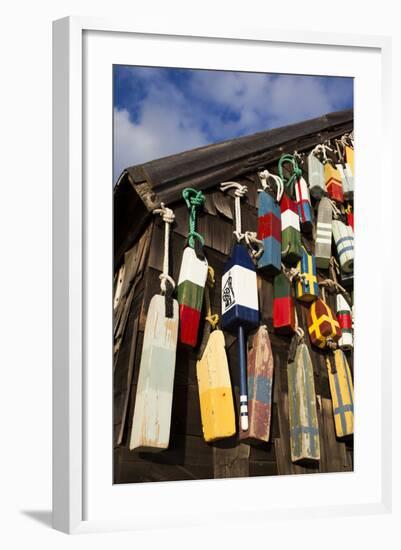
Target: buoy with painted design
(306,287)
(239,298)
(342,393)
(324,329)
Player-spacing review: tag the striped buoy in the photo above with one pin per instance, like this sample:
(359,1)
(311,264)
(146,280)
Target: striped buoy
(304,427)
(323,326)
(239,298)
(283,305)
(344,240)
(345,322)
(290,224)
(306,288)
(323,233)
(342,393)
(333,183)
(290,231)
(304,205)
(269,224)
(316,176)
(193,273)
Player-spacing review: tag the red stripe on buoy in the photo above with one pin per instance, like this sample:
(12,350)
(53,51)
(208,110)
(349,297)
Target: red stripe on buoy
(189,323)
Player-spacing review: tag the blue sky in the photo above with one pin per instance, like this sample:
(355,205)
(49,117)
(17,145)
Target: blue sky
(161,111)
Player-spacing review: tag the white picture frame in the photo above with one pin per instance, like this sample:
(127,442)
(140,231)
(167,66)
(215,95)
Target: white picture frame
(83,496)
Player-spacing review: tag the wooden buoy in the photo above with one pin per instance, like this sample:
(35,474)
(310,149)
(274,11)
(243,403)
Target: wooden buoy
(347,178)
(260,382)
(215,392)
(269,224)
(344,319)
(323,326)
(304,428)
(283,305)
(342,393)
(304,205)
(344,241)
(333,183)
(193,273)
(290,224)
(349,157)
(190,289)
(214,384)
(154,395)
(239,297)
(290,231)
(350,216)
(306,288)
(316,176)
(323,233)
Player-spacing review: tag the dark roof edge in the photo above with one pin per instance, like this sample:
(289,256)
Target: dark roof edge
(162,180)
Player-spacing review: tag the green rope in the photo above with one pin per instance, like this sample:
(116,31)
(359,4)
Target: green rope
(296,173)
(194,199)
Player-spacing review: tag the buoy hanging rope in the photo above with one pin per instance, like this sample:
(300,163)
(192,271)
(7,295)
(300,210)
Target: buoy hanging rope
(167,284)
(264,176)
(240,191)
(296,173)
(194,200)
(212,319)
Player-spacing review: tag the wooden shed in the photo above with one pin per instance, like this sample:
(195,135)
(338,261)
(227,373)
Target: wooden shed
(138,245)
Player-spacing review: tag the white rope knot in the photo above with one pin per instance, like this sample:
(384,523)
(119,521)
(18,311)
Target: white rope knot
(254,244)
(166,214)
(336,210)
(163,278)
(168,217)
(300,333)
(240,191)
(293,274)
(264,175)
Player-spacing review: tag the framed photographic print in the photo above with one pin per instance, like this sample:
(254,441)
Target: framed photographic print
(218,330)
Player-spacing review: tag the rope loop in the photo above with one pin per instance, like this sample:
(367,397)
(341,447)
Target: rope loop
(336,210)
(213,320)
(166,214)
(194,200)
(264,175)
(240,191)
(167,284)
(254,244)
(296,172)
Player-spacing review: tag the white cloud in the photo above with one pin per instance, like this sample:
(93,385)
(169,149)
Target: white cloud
(160,132)
(173,119)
